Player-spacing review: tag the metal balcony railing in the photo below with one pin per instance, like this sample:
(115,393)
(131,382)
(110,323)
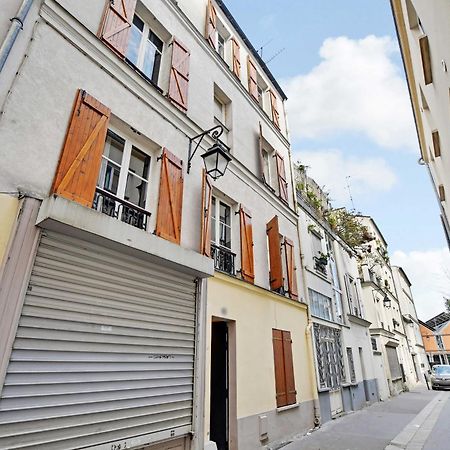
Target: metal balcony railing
(120,209)
(223,259)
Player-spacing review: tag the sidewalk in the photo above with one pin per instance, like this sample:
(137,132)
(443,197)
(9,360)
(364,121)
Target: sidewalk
(374,428)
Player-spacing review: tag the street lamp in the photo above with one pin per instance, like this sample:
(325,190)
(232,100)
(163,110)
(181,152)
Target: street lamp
(215,159)
(386,301)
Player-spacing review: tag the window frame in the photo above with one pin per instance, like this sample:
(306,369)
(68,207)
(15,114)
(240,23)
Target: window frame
(215,220)
(128,145)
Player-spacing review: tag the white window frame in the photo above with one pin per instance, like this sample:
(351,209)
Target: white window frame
(219,200)
(129,143)
(141,51)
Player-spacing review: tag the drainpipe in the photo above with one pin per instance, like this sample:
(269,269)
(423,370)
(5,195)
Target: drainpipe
(309,327)
(13,32)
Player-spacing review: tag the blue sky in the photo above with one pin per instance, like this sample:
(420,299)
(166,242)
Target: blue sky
(339,54)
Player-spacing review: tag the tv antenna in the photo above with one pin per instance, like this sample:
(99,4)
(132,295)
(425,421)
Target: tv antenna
(275,55)
(347,178)
(261,49)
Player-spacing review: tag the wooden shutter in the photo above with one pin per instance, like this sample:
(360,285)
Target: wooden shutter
(436,143)
(441,190)
(282,183)
(211,25)
(236,51)
(426,59)
(261,156)
(274,107)
(80,160)
(247,263)
(252,79)
(179,75)
(291,269)
(276,266)
(284,368)
(205,237)
(168,220)
(116,24)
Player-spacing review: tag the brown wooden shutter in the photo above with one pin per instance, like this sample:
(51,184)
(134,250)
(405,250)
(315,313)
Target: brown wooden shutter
(291,392)
(274,107)
(179,75)
(247,263)
(426,59)
(276,266)
(116,24)
(282,183)
(441,190)
(236,51)
(168,220)
(80,160)
(280,376)
(252,79)
(436,143)
(291,269)
(205,237)
(211,25)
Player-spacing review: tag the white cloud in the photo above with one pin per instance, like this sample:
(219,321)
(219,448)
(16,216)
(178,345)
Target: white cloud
(429,273)
(330,168)
(357,87)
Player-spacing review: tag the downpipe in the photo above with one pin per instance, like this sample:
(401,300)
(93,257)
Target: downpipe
(14,29)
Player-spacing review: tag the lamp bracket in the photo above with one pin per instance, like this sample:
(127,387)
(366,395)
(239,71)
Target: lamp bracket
(215,132)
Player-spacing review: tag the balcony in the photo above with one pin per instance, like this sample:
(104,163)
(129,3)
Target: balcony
(112,206)
(223,259)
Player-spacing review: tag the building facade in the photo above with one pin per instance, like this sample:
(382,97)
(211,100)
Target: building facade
(424,42)
(143,303)
(436,338)
(394,365)
(342,348)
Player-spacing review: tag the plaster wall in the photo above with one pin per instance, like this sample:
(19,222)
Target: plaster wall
(9,207)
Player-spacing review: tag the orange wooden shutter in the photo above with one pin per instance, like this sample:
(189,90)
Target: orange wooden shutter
(291,392)
(179,75)
(291,269)
(426,59)
(282,183)
(236,57)
(276,266)
(252,79)
(116,24)
(205,237)
(168,220)
(81,156)
(274,107)
(247,264)
(436,143)
(211,25)
(280,375)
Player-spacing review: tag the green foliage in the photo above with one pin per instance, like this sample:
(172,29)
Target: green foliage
(348,227)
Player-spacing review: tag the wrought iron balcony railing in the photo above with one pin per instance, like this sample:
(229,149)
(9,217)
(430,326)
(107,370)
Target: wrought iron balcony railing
(112,206)
(223,259)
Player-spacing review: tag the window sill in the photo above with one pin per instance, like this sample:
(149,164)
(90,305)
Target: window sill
(321,390)
(287,407)
(142,74)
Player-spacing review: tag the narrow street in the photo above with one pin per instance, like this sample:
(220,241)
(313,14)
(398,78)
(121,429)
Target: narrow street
(413,420)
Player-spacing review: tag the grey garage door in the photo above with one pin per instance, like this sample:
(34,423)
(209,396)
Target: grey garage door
(104,352)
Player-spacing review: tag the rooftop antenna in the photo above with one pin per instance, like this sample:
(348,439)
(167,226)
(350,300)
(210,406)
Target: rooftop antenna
(350,192)
(275,55)
(260,50)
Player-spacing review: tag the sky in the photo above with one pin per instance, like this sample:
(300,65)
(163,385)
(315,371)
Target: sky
(351,123)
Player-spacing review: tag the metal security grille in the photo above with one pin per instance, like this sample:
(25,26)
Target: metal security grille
(104,352)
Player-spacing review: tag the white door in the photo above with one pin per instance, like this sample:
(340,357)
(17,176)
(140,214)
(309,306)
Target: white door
(104,352)
(336,402)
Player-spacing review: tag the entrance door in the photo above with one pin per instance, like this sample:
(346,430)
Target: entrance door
(219,410)
(336,402)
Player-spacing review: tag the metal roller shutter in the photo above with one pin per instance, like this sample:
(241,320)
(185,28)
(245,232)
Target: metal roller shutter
(104,352)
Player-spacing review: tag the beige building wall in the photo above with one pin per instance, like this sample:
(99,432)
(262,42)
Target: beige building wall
(9,207)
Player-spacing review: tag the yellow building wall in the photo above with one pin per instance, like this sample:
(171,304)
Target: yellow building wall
(256,311)
(9,207)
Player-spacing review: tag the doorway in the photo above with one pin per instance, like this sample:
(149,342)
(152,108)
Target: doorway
(219,408)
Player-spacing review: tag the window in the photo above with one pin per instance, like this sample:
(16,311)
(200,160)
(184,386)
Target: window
(316,242)
(123,175)
(221,46)
(354,304)
(286,393)
(351,365)
(266,166)
(321,305)
(439,342)
(219,111)
(374,344)
(330,364)
(436,143)
(145,49)
(222,113)
(336,284)
(220,223)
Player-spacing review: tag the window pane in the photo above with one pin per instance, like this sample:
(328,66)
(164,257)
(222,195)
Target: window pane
(108,178)
(114,147)
(149,59)
(224,214)
(155,40)
(139,163)
(135,40)
(213,220)
(225,235)
(136,190)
